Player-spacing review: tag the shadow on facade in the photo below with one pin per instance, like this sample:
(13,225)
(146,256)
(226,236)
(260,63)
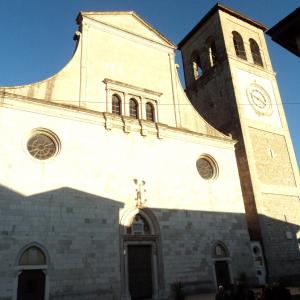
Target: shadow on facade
(90,245)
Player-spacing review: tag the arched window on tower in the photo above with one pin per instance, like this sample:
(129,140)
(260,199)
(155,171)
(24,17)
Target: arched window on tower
(212,51)
(133,108)
(116,105)
(196,65)
(255,51)
(150,112)
(239,45)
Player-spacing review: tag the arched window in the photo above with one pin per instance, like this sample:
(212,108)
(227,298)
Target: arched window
(116,105)
(150,112)
(212,51)
(133,108)
(139,226)
(220,251)
(255,53)
(239,45)
(32,256)
(196,65)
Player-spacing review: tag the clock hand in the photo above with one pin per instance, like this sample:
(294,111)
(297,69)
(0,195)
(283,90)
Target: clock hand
(260,102)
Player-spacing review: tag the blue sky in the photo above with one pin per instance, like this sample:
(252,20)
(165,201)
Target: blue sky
(36,37)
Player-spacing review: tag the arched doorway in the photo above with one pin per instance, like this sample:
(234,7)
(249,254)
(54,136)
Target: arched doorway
(31,278)
(221,265)
(142,271)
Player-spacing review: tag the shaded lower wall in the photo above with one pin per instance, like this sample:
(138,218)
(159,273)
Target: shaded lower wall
(81,237)
(79,232)
(189,239)
(282,250)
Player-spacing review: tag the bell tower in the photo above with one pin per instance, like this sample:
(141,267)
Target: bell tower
(230,81)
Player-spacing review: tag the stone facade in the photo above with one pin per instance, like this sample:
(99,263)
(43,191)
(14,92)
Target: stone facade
(88,183)
(72,204)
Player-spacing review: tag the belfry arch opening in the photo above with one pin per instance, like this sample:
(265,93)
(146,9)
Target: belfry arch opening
(212,51)
(196,65)
(239,45)
(255,52)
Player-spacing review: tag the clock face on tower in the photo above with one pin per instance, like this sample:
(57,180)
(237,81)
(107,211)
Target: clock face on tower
(259,99)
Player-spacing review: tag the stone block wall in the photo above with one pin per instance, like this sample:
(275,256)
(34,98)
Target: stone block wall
(188,240)
(70,204)
(264,152)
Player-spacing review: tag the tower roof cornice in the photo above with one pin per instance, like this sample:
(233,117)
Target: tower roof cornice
(221,7)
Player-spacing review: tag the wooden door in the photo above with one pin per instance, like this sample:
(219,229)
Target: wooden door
(140,272)
(31,285)
(222,273)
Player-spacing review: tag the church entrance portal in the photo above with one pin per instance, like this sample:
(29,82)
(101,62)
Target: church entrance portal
(222,273)
(140,271)
(31,285)
(32,281)
(141,257)
(221,264)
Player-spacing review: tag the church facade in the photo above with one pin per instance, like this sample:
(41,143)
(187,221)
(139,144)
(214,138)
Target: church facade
(116,185)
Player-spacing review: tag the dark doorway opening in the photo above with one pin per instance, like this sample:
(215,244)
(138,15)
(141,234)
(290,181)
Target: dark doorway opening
(222,273)
(140,271)
(31,285)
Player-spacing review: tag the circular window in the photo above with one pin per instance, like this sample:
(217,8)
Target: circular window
(42,145)
(206,167)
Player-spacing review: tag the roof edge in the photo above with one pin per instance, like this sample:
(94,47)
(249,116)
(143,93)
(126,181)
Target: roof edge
(213,10)
(127,12)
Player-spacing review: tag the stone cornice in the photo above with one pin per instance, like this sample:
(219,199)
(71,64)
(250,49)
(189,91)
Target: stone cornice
(111,121)
(143,91)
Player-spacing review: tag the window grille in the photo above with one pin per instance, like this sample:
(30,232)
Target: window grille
(116,105)
(239,45)
(133,108)
(149,111)
(255,51)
